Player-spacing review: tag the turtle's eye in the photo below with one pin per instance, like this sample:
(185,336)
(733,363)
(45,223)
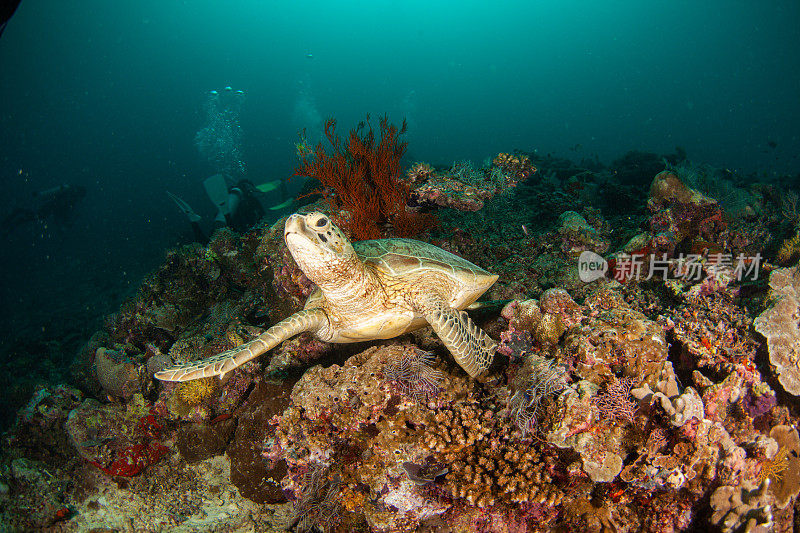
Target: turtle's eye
(322,222)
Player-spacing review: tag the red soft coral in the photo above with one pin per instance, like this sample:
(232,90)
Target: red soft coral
(361,176)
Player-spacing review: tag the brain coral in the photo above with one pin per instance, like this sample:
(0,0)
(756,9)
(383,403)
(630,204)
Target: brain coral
(779,324)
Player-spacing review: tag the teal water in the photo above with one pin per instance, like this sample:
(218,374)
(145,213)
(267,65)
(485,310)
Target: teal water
(110,96)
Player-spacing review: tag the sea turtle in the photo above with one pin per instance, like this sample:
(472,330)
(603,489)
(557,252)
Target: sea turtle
(368,290)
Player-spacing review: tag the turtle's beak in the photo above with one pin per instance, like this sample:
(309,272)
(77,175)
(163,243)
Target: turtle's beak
(294,224)
(298,236)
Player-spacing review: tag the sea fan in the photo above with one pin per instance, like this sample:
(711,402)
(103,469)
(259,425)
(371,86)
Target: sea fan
(615,402)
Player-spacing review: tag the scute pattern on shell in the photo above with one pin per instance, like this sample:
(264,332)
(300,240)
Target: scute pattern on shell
(401,256)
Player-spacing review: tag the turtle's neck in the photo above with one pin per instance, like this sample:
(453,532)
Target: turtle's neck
(347,282)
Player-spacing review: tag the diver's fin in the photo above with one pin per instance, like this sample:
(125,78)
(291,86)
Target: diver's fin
(185,208)
(269,186)
(7,9)
(217,191)
(282,205)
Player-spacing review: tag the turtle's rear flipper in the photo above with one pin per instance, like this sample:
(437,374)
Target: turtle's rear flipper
(471,347)
(221,364)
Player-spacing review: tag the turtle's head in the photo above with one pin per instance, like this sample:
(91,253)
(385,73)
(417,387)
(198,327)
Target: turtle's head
(320,249)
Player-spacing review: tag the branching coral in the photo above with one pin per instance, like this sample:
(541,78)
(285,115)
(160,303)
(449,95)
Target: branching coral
(494,472)
(457,427)
(361,175)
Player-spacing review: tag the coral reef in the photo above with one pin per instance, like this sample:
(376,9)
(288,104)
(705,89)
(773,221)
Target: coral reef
(534,383)
(544,320)
(783,468)
(651,402)
(119,440)
(118,377)
(742,508)
(463,187)
(518,166)
(577,235)
(256,479)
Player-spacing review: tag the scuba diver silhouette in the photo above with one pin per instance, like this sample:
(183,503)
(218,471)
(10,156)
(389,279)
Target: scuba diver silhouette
(57,204)
(238,206)
(237,199)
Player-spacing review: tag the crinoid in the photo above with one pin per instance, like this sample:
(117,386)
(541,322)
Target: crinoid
(197,391)
(774,468)
(317,508)
(789,250)
(410,371)
(537,380)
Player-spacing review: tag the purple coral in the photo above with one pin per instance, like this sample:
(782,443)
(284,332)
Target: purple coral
(755,404)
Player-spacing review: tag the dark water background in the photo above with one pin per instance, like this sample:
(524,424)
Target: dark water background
(109,95)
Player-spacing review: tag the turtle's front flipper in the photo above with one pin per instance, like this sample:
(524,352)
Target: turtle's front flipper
(471,347)
(220,364)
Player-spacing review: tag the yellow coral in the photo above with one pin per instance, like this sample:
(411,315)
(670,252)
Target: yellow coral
(196,391)
(789,250)
(233,338)
(549,329)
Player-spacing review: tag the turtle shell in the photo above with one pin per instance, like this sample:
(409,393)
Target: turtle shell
(401,257)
